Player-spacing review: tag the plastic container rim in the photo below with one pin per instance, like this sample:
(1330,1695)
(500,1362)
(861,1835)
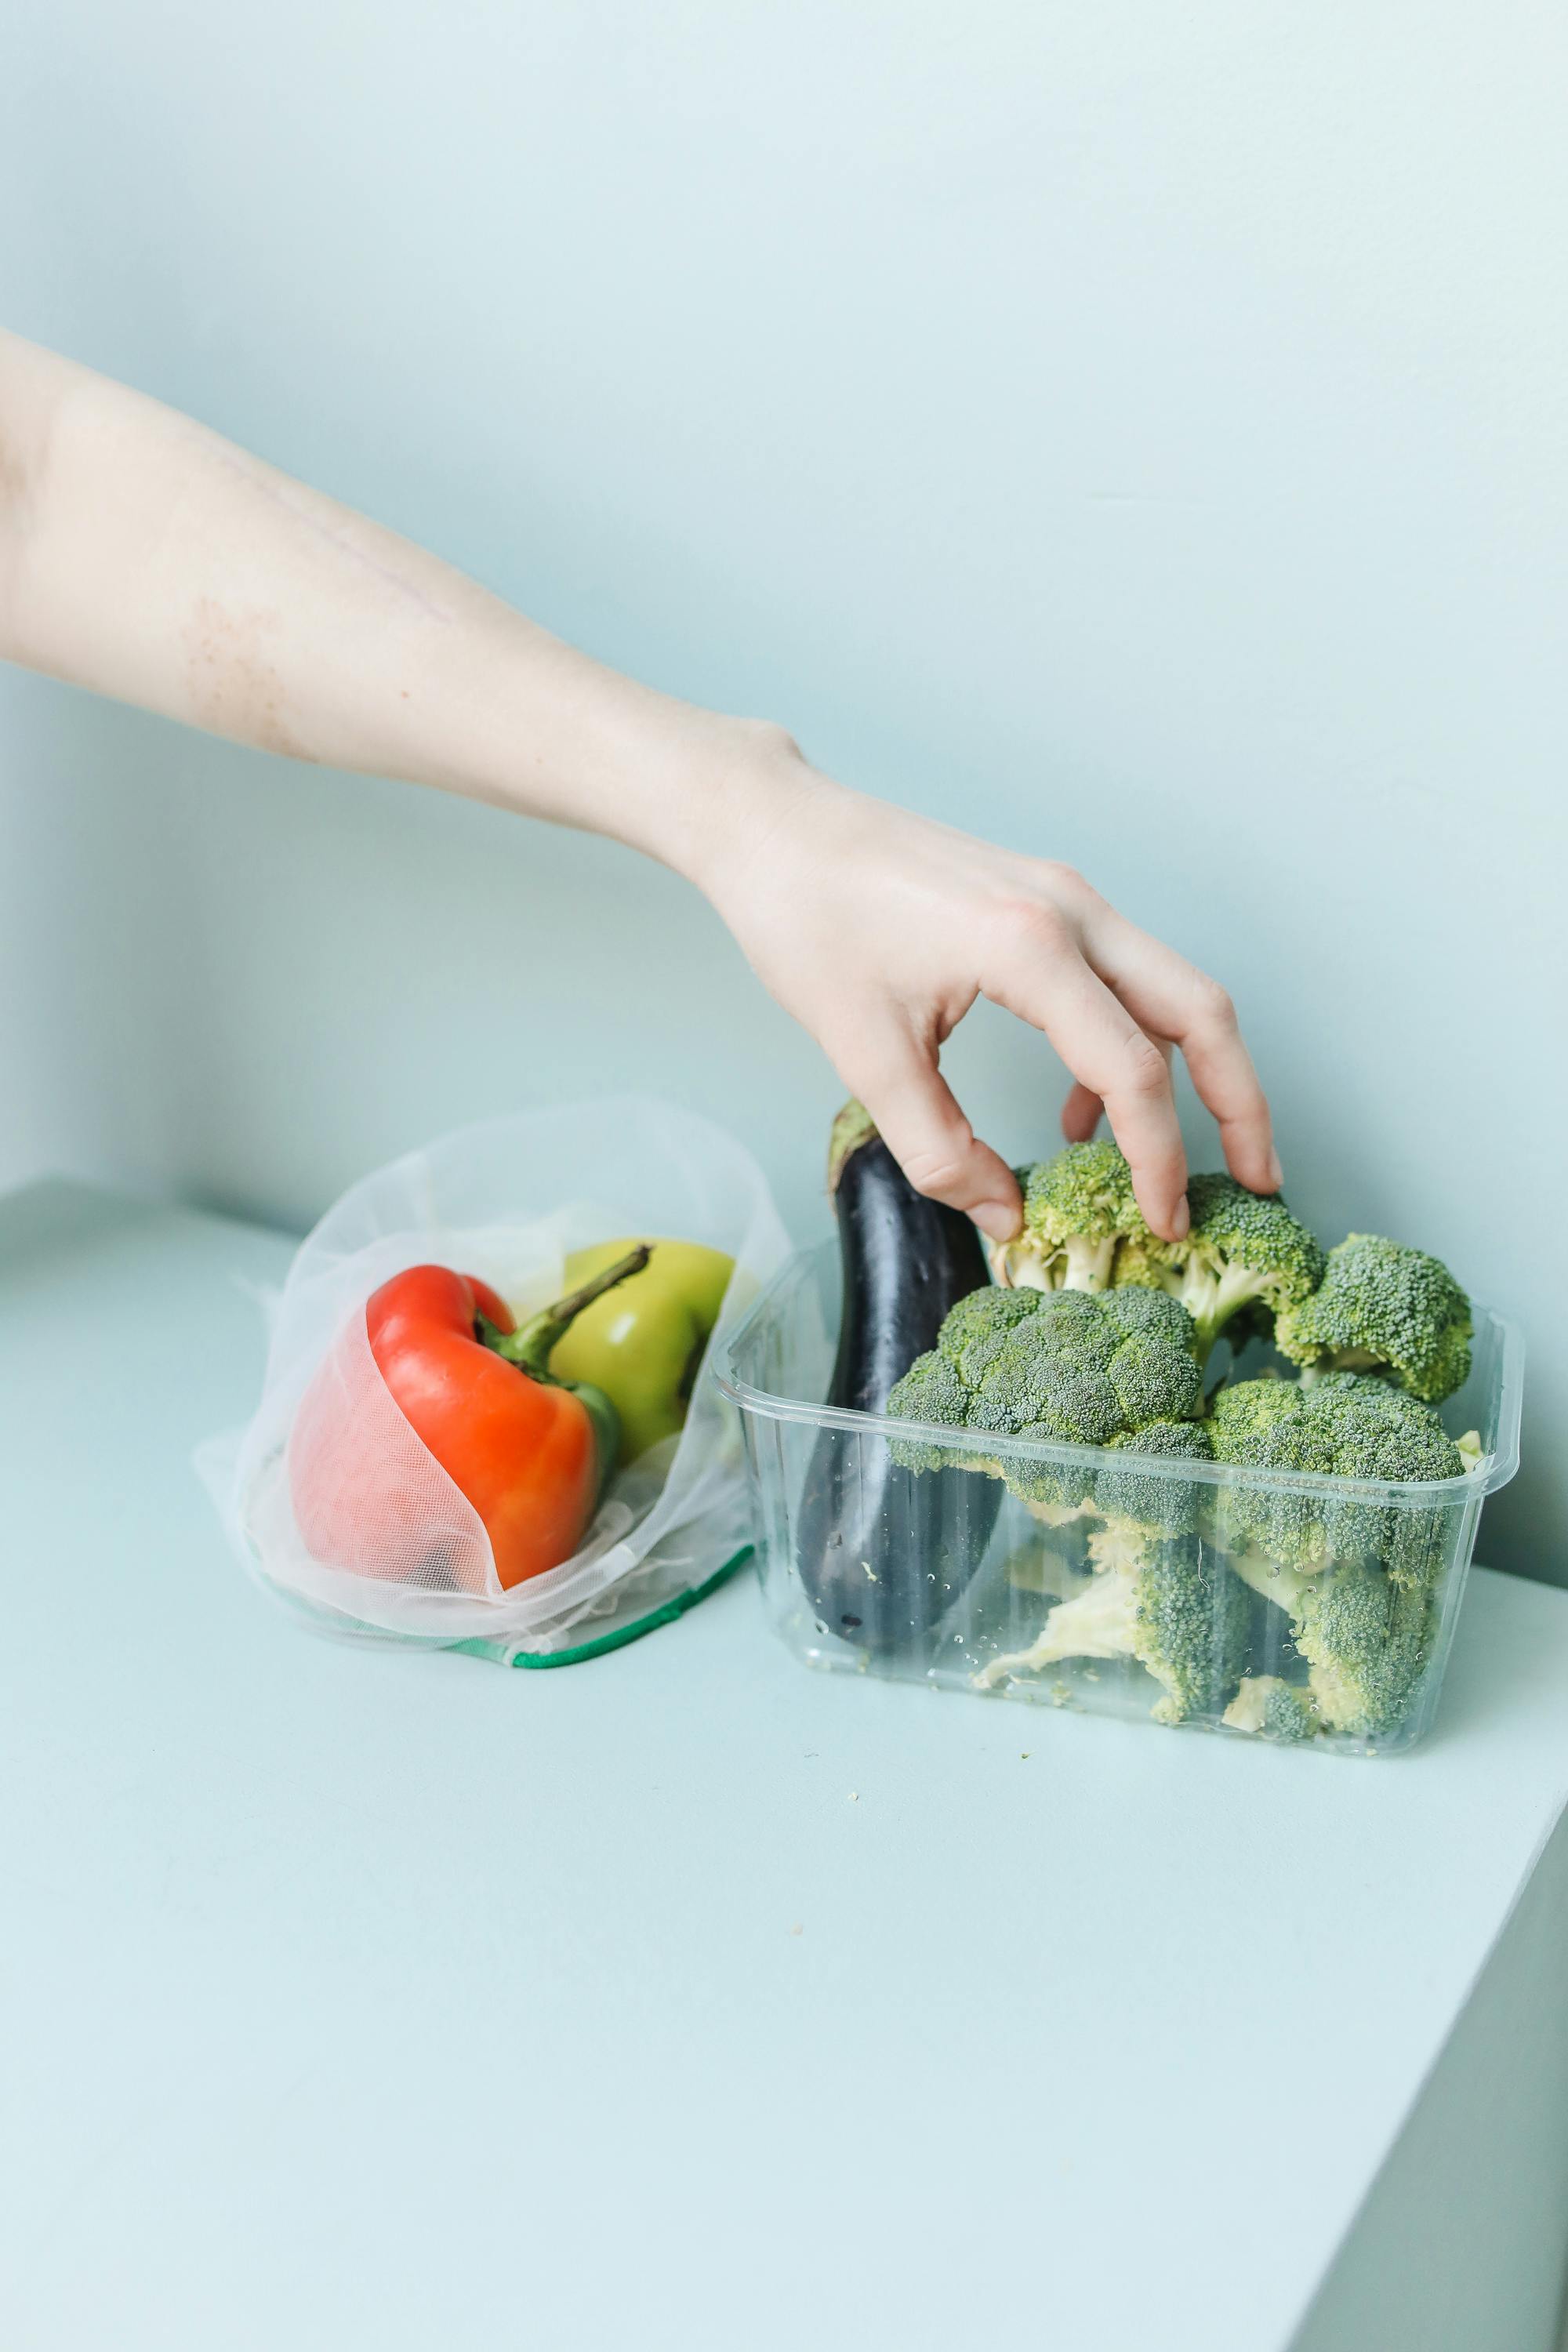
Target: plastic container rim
(1494,1470)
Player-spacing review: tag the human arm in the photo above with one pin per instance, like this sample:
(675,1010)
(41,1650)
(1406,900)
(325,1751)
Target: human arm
(144,557)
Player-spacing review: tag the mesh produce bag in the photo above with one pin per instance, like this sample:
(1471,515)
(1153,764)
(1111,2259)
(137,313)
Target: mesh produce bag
(506,1201)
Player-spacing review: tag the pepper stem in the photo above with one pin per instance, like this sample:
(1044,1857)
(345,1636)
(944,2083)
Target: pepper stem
(530,1345)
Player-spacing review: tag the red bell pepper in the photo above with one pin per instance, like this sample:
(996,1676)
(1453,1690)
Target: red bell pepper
(530,1453)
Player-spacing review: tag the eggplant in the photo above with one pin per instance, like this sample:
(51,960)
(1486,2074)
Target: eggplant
(882,1550)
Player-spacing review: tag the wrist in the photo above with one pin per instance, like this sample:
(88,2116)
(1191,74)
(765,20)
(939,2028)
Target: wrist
(741,798)
(702,793)
(751,790)
(693,788)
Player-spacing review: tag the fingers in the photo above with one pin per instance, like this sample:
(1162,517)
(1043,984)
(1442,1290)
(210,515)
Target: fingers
(1049,984)
(1174,1000)
(930,1138)
(1081,1114)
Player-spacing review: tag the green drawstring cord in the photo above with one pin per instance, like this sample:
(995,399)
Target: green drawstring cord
(664,1614)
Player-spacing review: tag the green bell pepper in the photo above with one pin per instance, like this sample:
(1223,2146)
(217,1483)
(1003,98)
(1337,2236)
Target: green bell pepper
(643,1342)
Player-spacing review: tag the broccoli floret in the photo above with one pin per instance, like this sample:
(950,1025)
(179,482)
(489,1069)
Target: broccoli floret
(1387,1309)
(1243,1255)
(1367,1639)
(1083,1230)
(1077,1208)
(1274,1709)
(1141,1261)
(1346,1426)
(1168,1506)
(930,1390)
(1067,1366)
(1248,1414)
(978,1321)
(1166,1603)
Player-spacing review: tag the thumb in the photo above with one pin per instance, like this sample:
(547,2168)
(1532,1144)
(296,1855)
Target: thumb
(931,1141)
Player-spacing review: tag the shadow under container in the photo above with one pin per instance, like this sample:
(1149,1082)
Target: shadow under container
(1282,1605)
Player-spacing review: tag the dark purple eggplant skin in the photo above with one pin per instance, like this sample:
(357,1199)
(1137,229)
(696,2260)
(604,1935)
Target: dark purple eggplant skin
(883,1551)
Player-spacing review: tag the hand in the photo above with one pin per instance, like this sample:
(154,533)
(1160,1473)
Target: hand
(877,929)
(164,566)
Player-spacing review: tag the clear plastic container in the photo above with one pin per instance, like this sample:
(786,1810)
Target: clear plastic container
(968,1570)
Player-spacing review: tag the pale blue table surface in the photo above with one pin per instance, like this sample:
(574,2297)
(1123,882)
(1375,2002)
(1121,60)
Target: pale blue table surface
(684,1999)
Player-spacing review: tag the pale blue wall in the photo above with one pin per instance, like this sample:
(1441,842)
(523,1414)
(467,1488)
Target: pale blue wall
(1135,433)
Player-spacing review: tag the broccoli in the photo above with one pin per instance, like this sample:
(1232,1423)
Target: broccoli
(1143,1261)
(1095,1337)
(1387,1309)
(1367,1639)
(1077,1208)
(970,1330)
(1274,1708)
(1108,1369)
(1160,1600)
(1083,1230)
(1047,1567)
(1243,1255)
(1143,1497)
(1346,1426)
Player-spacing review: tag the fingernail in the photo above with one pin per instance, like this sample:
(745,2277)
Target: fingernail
(1276,1173)
(1181,1221)
(996,1218)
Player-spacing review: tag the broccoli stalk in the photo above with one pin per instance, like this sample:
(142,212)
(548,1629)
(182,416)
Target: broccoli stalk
(1044,1568)
(1057,1515)
(1099,1623)
(1078,1208)
(1243,1255)
(1158,1600)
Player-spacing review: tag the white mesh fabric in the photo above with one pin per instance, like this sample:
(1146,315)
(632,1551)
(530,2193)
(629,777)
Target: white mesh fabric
(372,1497)
(409,1556)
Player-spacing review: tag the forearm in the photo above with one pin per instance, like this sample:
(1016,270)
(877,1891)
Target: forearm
(144,557)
